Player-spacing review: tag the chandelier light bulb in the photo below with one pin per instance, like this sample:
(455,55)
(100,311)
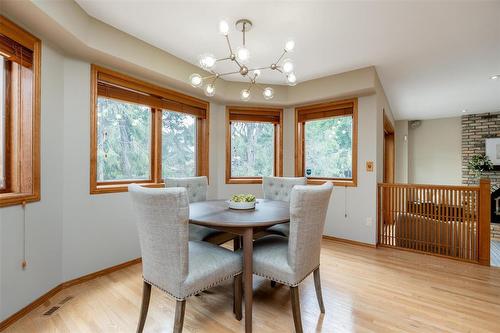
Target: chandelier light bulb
(223,28)
(291,79)
(210,90)
(289,45)
(243,54)
(207,61)
(256,72)
(245,95)
(268,93)
(287,66)
(196,80)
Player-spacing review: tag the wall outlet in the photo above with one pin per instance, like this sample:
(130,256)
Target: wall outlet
(369,166)
(369,222)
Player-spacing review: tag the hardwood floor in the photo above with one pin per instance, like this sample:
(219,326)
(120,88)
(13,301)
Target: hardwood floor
(364,290)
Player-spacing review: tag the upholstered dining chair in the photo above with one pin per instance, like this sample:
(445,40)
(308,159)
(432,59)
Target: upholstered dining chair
(197,191)
(170,262)
(290,260)
(279,188)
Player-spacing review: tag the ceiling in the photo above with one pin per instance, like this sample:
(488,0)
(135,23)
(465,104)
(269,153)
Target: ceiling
(434,59)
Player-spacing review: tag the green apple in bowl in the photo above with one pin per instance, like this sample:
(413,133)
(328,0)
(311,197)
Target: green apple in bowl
(242,201)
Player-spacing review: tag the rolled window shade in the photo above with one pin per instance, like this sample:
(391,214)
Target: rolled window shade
(16,52)
(112,91)
(255,116)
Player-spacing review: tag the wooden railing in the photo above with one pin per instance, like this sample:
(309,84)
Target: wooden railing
(451,221)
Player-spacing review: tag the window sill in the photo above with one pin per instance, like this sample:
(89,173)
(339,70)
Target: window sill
(249,180)
(117,188)
(11,199)
(336,182)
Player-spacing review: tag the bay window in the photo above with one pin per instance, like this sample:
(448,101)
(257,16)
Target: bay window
(326,142)
(142,133)
(19,115)
(253,144)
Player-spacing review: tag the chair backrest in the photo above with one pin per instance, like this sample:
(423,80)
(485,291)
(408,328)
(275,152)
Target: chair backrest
(196,186)
(279,188)
(162,217)
(308,207)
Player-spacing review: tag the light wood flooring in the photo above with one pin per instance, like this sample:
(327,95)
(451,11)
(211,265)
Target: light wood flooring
(365,290)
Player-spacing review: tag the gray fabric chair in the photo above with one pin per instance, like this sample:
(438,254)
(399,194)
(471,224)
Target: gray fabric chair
(290,260)
(279,188)
(197,191)
(172,263)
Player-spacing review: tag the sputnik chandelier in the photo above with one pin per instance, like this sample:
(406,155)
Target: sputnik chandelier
(241,58)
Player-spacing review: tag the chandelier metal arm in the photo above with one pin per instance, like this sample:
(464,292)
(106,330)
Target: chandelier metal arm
(229,44)
(281,57)
(229,73)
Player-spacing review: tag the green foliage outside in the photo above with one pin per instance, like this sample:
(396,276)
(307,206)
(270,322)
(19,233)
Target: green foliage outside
(252,149)
(179,145)
(123,140)
(328,147)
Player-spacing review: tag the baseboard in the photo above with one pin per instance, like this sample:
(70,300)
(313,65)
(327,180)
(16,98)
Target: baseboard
(348,241)
(45,297)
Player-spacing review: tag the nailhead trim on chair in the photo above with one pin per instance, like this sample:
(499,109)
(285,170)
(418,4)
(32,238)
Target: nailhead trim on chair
(286,283)
(195,292)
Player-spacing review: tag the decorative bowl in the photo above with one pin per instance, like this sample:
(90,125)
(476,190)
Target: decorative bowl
(241,205)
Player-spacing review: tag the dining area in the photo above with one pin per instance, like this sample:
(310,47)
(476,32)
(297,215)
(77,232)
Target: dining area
(185,242)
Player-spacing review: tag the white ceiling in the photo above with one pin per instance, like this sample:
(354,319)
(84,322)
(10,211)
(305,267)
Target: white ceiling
(434,59)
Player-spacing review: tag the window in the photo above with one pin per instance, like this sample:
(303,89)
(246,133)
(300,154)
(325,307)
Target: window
(253,144)
(19,115)
(143,133)
(326,142)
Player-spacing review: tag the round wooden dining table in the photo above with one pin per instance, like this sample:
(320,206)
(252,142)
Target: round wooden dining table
(216,214)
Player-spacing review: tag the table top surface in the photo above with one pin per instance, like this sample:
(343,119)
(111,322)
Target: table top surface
(217,213)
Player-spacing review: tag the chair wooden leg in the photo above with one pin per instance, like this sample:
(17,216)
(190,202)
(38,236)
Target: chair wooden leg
(146,295)
(180,308)
(317,285)
(237,296)
(294,294)
(236,243)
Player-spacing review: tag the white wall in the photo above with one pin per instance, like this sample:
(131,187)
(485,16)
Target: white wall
(434,152)
(44,218)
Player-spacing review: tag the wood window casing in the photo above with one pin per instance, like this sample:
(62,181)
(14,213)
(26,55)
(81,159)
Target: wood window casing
(22,52)
(322,111)
(120,87)
(255,114)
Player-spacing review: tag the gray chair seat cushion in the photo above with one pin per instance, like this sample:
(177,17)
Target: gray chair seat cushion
(199,233)
(270,260)
(209,265)
(282,229)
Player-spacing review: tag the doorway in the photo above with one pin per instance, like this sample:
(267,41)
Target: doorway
(389,151)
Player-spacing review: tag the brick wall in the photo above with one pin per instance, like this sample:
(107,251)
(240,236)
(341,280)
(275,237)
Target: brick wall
(475,128)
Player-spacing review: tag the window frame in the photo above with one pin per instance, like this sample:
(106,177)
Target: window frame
(324,111)
(22,183)
(255,114)
(110,84)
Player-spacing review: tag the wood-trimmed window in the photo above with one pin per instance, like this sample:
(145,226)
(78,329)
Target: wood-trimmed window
(326,142)
(142,133)
(20,54)
(254,144)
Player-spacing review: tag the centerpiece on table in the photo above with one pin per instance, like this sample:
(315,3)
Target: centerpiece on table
(242,201)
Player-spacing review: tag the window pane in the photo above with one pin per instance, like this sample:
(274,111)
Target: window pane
(328,147)
(2,123)
(124,140)
(252,149)
(178,144)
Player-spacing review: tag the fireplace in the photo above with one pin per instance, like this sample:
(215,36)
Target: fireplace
(495,206)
